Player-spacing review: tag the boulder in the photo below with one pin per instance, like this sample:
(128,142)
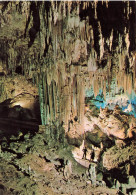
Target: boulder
(97,136)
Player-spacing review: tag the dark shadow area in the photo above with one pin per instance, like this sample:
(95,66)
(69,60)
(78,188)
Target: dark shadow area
(14,119)
(34,10)
(19,70)
(109,19)
(74,141)
(5,4)
(3,190)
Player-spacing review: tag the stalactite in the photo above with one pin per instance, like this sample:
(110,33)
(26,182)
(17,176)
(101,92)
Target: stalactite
(72,51)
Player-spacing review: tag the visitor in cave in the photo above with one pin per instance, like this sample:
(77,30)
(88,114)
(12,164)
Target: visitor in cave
(84,153)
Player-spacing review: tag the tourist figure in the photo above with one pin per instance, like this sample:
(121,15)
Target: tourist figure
(84,153)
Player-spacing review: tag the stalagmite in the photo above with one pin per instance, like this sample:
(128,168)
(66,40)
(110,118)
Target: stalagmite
(75,53)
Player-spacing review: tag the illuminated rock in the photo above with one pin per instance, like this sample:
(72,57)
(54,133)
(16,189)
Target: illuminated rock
(81,57)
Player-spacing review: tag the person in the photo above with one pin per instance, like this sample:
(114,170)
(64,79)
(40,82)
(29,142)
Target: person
(84,153)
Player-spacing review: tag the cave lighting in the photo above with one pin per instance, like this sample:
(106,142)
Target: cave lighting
(21,103)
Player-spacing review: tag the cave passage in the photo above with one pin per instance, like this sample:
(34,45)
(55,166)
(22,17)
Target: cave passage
(22,115)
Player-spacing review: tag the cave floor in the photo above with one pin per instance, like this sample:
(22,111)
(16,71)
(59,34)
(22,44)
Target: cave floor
(36,164)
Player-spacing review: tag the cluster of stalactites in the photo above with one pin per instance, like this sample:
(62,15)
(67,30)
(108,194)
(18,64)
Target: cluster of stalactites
(64,18)
(74,53)
(71,42)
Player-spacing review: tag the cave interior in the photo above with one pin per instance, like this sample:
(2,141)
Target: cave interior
(67,97)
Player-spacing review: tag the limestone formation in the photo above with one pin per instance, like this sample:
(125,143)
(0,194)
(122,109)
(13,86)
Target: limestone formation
(70,67)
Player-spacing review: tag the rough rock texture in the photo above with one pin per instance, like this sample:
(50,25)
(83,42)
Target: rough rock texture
(28,166)
(73,46)
(79,58)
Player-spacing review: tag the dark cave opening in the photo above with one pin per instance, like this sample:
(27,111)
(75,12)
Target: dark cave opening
(19,70)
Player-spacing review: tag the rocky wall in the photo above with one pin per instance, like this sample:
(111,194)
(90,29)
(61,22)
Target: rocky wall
(68,47)
(81,56)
